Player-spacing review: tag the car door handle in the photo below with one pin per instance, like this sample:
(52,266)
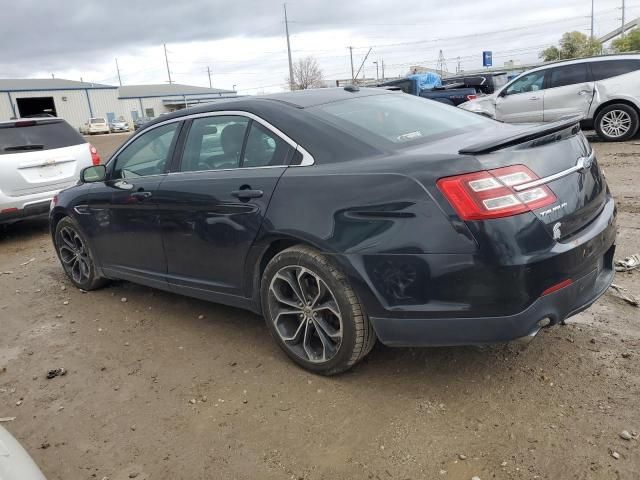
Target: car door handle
(534,98)
(141,195)
(247,193)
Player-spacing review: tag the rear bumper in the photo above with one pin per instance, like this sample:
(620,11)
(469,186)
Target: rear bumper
(13,209)
(556,307)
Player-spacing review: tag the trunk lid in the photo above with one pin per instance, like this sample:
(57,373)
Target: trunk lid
(39,156)
(553,152)
(561,157)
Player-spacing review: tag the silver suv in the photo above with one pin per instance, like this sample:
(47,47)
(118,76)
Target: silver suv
(605,91)
(38,158)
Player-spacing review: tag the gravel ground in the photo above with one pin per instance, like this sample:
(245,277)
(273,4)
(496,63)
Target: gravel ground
(166,387)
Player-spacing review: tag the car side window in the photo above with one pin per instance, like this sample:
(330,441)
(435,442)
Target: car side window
(531,82)
(612,68)
(148,154)
(214,143)
(569,75)
(264,148)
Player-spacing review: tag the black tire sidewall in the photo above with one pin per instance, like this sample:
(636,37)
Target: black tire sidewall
(91,282)
(337,287)
(625,108)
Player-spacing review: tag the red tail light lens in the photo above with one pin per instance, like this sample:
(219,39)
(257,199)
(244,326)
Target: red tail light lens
(471,97)
(95,157)
(490,194)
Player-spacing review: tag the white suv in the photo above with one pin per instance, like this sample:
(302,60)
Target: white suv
(605,91)
(38,158)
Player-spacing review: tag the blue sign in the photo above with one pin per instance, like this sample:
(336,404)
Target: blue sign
(487,60)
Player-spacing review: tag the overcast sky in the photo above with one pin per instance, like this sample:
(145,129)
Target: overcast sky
(243,41)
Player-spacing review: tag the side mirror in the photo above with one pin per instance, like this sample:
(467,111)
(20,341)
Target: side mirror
(96,173)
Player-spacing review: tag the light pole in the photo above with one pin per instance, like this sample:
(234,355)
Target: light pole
(377,76)
(234,87)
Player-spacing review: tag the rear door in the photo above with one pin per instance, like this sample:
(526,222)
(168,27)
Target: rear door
(569,92)
(213,205)
(123,210)
(40,155)
(523,100)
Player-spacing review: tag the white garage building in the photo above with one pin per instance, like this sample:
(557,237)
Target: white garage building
(76,102)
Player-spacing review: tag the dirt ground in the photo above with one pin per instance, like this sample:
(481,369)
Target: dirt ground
(166,387)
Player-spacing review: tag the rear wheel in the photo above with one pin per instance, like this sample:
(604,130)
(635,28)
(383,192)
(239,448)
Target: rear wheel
(617,122)
(75,256)
(313,313)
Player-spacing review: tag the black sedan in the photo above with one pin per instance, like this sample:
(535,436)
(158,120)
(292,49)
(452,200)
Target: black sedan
(344,216)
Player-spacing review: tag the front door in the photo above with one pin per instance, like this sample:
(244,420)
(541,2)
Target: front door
(213,206)
(523,100)
(569,93)
(125,225)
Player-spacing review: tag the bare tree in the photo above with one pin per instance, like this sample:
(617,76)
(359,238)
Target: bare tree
(307,74)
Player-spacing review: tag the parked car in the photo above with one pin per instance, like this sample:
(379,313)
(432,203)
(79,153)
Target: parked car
(15,462)
(346,215)
(119,126)
(140,122)
(96,125)
(38,158)
(448,94)
(604,91)
(483,84)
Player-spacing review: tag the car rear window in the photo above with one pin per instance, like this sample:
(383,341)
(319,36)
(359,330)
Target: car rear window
(31,135)
(98,120)
(398,118)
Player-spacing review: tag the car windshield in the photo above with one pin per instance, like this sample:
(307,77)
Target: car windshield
(398,118)
(97,120)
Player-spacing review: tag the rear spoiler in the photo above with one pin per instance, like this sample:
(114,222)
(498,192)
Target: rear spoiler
(522,135)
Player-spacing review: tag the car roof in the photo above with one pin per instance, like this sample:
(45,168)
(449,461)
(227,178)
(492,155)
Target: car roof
(600,58)
(298,100)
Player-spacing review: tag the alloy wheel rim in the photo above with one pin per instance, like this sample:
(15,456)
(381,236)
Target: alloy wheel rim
(73,254)
(305,314)
(616,123)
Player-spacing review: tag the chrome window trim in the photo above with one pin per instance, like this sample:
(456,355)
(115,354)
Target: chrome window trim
(582,164)
(307,158)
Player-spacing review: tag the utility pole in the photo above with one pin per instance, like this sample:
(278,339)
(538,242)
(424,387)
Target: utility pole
(459,67)
(592,19)
(353,78)
(209,74)
(118,70)
(442,64)
(362,64)
(286,28)
(377,76)
(382,61)
(622,30)
(53,76)
(166,59)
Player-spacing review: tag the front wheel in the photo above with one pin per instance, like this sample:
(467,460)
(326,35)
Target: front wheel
(75,256)
(313,313)
(617,122)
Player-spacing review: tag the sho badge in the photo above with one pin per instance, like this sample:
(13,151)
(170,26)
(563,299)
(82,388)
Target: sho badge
(556,231)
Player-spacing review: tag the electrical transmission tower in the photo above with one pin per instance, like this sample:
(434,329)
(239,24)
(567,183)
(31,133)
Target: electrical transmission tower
(442,64)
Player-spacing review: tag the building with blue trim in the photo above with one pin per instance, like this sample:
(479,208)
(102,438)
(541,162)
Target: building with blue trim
(76,102)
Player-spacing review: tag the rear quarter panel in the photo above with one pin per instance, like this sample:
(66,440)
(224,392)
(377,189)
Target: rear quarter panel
(623,87)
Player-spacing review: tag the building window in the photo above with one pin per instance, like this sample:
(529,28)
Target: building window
(149,113)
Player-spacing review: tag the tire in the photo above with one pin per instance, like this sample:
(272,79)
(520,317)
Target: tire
(617,122)
(326,340)
(75,255)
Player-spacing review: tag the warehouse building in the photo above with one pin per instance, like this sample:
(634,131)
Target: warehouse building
(76,102)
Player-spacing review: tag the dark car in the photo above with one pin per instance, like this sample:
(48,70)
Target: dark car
(346,216)
(140,122)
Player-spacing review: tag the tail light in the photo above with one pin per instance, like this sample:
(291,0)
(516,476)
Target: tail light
(490,194)
(471,97)
(95,157)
